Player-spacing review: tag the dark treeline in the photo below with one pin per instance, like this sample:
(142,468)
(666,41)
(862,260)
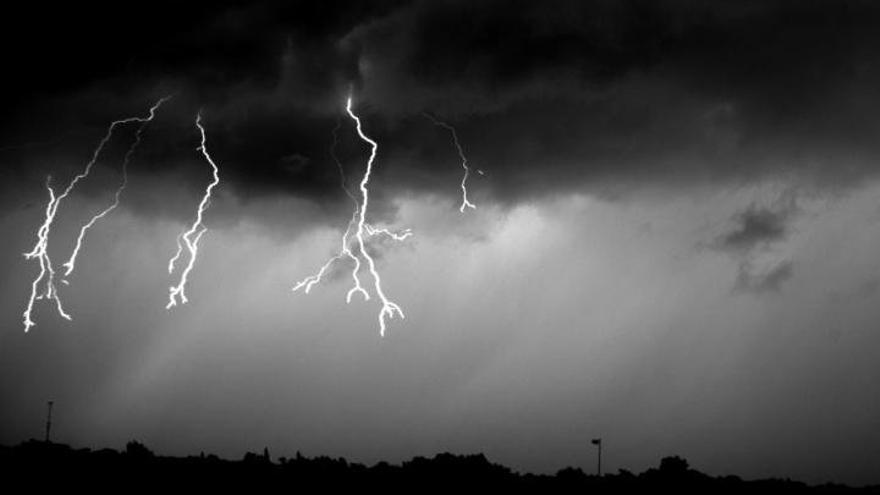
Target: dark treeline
(36,466)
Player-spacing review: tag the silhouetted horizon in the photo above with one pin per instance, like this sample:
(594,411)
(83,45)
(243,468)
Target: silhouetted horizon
(442,470)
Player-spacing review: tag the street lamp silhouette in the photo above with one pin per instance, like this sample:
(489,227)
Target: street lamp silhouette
(49,419)
(598,442)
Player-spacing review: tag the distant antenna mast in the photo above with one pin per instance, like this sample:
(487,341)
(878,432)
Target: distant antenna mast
(49,420)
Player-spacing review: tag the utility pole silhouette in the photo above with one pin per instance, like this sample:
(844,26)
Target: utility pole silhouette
(598,442)
(49,420)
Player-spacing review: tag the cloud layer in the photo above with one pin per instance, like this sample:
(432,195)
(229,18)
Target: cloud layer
(548,98)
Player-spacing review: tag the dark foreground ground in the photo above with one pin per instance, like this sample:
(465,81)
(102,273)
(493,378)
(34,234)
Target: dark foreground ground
(35,467)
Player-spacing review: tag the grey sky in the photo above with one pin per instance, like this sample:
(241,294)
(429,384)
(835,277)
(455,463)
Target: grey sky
(674,247)
(528,331)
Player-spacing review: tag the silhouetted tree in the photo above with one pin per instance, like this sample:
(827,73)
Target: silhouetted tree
(138,450)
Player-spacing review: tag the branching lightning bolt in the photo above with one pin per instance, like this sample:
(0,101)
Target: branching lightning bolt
(46,270)
(40,250)
(190,238)
(71,263)
(388,308)
(361,229)
(464,199)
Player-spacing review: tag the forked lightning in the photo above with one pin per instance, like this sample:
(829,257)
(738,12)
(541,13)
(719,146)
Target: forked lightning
(41,248)
(190,238)
(362,229)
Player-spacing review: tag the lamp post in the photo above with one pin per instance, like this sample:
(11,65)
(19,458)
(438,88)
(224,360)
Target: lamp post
(49,420)
(598,443)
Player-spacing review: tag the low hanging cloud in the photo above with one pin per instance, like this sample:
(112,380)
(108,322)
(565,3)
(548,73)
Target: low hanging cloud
(751,240)
(757,227)
(750,281)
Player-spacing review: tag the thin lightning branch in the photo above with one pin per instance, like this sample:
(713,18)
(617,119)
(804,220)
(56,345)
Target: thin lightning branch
(397,237)
(40,250)
(191,237)
(307,283)
(71,263)
(177,254)
(464,199)
(344,182)
(388,308)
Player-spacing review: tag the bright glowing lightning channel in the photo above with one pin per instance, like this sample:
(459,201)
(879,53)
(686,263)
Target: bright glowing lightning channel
(464,199)
(40,250)
(191,237)
(71,263)
(358,218)
(345,251)
(46,270)
(388,308)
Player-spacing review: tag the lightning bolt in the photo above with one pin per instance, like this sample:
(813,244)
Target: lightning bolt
(388,308)
(40,249)
(361,229)
(190,238)
(464,199)
(71,263)
(46,270)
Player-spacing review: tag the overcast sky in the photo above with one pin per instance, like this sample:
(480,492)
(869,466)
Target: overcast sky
(674,245)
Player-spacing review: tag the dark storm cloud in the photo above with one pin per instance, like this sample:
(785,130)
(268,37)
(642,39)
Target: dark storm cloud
(783,55)
(753,233)
(214,45)
(547,96)
(628,93)
(757,283)
(756,227)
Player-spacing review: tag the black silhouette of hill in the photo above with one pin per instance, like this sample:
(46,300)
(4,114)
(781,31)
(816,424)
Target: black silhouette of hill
(35,466)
